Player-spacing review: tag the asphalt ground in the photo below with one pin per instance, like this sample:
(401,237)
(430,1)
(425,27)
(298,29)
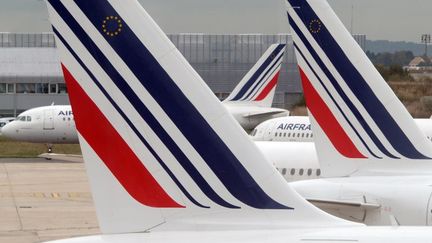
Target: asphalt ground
(44,200)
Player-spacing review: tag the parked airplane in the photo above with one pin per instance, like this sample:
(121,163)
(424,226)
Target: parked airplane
(250,103)
(48,124)
(376,161)
(298,129)
(191,174)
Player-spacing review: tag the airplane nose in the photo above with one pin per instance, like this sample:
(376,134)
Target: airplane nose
(8,130)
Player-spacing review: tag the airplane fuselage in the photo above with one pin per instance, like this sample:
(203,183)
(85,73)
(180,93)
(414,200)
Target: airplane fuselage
(50,124)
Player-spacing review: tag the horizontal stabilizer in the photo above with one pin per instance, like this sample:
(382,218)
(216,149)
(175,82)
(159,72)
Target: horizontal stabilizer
(336,204)
(272,112)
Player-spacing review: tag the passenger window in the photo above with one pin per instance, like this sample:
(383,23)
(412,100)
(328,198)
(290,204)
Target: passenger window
(68,118)
(307,135)
(301,171)
(284,134)
(302,135)
(318,172)
(309,172)
(64,118)
(298,135)
(276,134)
(292,172)
(311,135)
(289,134)
(284,171)
(28,118)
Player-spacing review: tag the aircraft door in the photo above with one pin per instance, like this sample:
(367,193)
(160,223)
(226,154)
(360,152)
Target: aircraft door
(267,132)
(48,122)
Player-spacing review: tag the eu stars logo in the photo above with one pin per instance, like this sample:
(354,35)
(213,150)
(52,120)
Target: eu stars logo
(315,26)
(112,26)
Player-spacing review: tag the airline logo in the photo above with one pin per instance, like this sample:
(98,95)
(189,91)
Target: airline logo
(264,79)
(371,130)
(65,113)
(294,126)
(92,40)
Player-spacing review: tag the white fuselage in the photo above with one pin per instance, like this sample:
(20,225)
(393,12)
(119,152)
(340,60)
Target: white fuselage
(298,129)
(49,124)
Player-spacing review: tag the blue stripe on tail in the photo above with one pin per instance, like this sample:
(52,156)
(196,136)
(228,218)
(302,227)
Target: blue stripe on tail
(356,82)
(342,94)
(140,107)
(256,75)
(334,101)
(194,127)
(129,122)
(258,85)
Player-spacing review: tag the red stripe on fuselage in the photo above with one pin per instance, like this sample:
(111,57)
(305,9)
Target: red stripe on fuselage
(268,88)
(113,150)
(327,121)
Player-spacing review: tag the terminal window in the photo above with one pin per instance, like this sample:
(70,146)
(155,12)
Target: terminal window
(25,88)
(10,88)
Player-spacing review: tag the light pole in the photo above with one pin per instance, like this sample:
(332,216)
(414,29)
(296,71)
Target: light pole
(426,39)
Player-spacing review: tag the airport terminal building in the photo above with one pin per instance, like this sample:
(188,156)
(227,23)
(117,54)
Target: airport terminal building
(30,74)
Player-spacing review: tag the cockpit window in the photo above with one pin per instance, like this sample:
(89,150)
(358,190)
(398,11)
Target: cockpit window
(253,133)
(21,118)
(2,124)
(29,118)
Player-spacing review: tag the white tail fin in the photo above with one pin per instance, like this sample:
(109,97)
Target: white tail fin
(258,86)
(358,121)
(160,150)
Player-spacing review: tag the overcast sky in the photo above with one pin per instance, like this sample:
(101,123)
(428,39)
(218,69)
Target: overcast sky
(378,19)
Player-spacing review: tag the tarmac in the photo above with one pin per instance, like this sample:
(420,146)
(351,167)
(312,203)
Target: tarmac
(43,200)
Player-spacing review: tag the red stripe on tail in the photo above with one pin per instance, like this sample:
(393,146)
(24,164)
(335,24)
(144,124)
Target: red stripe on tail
(113,150)
(268,88)
(327,121)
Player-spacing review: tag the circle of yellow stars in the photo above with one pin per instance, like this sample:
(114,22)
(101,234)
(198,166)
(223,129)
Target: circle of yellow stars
(315,26)
(115,19)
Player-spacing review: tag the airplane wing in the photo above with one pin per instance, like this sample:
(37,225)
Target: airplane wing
(62,157)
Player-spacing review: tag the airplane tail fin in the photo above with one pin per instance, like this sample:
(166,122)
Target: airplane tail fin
(160,150)
(258,86)
(358,121)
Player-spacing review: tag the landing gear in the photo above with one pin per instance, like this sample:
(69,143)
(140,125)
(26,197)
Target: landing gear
(49,146)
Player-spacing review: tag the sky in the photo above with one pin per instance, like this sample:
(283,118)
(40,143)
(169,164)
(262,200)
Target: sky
(397,20)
